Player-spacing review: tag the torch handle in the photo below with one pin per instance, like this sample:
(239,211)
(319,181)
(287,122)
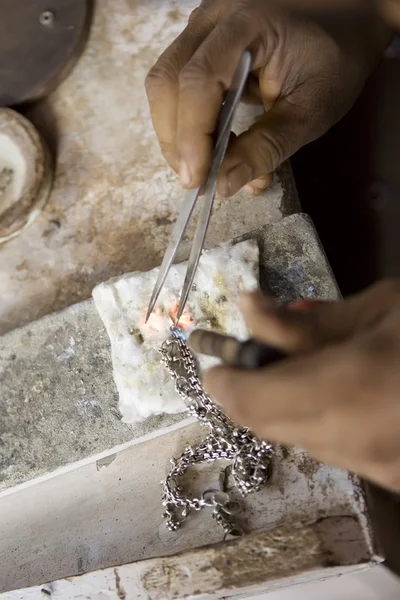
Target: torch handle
(241,355)
(254,355)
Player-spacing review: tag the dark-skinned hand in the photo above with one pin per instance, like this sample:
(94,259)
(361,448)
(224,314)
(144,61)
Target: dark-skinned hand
(338,394)
(305,74)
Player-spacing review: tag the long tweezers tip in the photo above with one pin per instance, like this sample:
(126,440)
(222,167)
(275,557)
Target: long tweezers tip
(178,316)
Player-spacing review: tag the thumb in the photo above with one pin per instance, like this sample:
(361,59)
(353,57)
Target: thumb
(260,150)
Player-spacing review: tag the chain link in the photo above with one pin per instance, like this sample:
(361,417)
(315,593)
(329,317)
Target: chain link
(251,457)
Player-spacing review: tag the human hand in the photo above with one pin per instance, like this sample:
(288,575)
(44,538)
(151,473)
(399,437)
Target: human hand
(304,76)
(338,394)
(388,9)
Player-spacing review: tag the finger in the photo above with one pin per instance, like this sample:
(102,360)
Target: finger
(293,391)
(318,7)
(279,326)
(261,149)
(390,10)
(252,93)
(203,83)
(162,84)
(330,322)
(296,404)
(257,186)
(337,321)
(254,399)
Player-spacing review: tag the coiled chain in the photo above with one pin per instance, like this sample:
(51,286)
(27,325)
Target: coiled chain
(251,457)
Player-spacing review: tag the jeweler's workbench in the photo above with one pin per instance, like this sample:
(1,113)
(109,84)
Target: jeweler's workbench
(59,396)
(97,501)
(79,489)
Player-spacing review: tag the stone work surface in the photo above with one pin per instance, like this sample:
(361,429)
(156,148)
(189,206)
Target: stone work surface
(57,395)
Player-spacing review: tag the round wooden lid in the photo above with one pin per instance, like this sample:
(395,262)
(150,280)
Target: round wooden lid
(40,42)
(25,173)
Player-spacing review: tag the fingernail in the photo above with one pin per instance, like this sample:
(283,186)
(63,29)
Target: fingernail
(235,179)
(184,173)
(257,186)
(248,189)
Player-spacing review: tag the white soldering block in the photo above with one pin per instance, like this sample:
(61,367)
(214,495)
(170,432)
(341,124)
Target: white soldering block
(145,388)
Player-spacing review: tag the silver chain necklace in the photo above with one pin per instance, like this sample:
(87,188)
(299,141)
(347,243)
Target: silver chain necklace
(251,457)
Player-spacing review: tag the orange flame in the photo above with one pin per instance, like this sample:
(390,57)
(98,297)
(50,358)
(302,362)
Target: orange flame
(186,320)
(156,323)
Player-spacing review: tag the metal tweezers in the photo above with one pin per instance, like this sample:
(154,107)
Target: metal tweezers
(207,200)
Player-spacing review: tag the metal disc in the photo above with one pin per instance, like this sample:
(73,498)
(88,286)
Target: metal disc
(40,41)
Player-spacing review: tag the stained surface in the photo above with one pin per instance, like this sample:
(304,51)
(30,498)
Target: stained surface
(93,517)
(375,584)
